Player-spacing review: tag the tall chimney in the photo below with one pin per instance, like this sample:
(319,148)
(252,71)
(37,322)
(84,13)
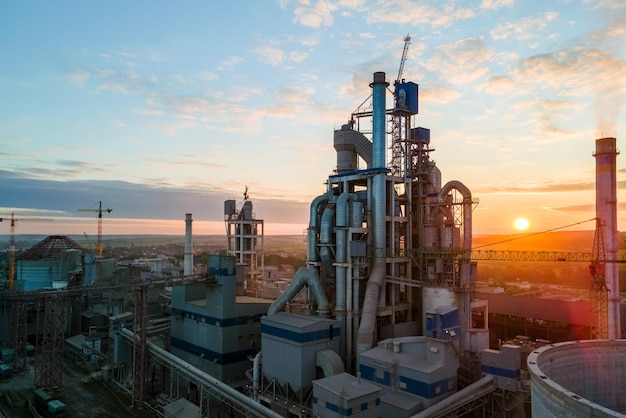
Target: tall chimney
(606,210)
(188,260)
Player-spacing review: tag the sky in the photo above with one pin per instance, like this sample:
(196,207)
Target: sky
(162,108)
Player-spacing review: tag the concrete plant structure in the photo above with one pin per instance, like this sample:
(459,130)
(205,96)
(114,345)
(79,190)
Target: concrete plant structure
(382,241)
(216,327)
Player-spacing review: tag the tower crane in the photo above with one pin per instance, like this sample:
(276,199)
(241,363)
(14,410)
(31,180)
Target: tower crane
(599,292)
(13,221)
(405,51)
(396,143)
(99,210)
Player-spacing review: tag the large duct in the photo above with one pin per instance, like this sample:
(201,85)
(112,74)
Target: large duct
(188,260)
(351,144)
(606,211)
(376,280)
(308,276)
(466,247)
(305,276)
(314,222)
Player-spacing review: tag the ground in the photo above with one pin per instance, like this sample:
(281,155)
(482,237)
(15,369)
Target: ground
(84,394)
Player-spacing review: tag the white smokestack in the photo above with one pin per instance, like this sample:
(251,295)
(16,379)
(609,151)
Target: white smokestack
(606,210)
(188,261)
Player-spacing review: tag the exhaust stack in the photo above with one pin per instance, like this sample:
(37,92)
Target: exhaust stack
(606,210)
(188,260)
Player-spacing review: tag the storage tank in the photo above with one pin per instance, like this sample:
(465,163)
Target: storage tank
(579,379)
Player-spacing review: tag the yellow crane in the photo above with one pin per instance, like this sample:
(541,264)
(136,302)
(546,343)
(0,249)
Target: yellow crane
(98,210)
(13,221)
(599,292)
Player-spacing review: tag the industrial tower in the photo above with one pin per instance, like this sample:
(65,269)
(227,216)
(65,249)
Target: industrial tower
(245,237)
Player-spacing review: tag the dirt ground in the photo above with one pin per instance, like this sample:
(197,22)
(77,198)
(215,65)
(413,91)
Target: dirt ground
(84,395)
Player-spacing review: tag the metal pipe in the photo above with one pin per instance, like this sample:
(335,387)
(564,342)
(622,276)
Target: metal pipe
(326,227)
(341,244)
(313,227)
(256,366)
(466,247)
(304,276)
(219,386)
(378,195)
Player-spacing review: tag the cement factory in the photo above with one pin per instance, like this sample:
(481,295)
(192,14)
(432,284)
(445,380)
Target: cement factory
(384,320)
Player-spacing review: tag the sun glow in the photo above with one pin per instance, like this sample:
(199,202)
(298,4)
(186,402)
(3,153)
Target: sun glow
(521,224)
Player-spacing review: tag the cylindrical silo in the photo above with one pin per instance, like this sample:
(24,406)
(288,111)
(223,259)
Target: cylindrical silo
(606,210)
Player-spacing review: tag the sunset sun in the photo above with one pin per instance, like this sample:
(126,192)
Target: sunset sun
(521,224)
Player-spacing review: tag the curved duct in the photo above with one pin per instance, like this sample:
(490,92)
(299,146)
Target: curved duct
(305,276)
(329,362)
(350,144)
(467,209)
(314,227)
(466,247)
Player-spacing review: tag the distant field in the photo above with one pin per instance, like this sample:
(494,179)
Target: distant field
(552,241)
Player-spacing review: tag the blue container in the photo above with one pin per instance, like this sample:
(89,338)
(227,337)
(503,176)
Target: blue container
(420,135)
(443,323)
(406,98)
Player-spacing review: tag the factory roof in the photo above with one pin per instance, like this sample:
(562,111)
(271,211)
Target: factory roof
(50,249)
(347,386)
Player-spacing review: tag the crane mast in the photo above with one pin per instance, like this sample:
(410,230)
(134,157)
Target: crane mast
(396,136)
(13,221)
(405,51)
(599,292)
(99,210)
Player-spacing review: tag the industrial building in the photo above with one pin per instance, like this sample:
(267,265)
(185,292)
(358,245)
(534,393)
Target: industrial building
(387,314)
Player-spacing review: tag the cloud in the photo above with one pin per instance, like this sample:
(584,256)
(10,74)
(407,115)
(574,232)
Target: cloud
(298,56)
(418,13)
(140,201)
(525,28)
(561,187)
(79,77)
(606,4)
(436,93)
(269,54)
(496,4)
(573,209)
(294,94)
(229,63)
(315,14)
(73,163)
(461,62)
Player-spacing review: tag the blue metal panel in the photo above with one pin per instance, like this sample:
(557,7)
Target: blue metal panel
(298,337)
(206,354)
(407,98)
(429,390)
(217,322)
(420,135)
(499,371)
(369,373)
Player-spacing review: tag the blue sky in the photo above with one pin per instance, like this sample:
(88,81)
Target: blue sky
(161,108)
